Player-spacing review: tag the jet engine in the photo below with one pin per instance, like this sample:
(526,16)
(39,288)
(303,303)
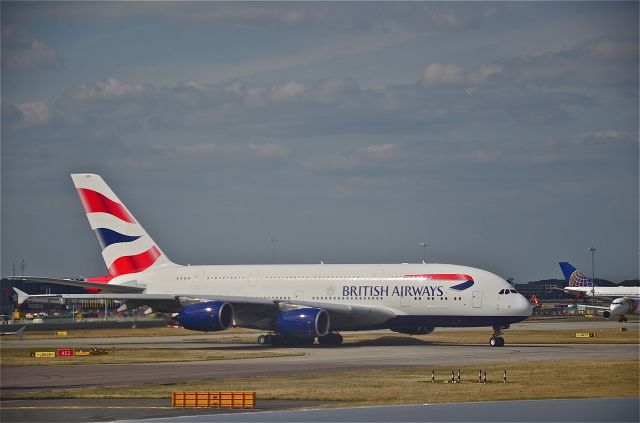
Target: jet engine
(303,322)
(415,330)
(210,316)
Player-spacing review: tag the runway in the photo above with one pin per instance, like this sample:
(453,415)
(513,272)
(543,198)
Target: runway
(582,410)
(29,378)
(390,353)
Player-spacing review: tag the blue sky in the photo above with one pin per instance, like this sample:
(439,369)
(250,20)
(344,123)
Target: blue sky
(505,134)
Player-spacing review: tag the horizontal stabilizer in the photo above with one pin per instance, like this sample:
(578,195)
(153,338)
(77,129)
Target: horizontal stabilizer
(104,287)
(160,302)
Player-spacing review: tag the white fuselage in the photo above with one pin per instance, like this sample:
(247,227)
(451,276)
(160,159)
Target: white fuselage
(412,290)
(607,291)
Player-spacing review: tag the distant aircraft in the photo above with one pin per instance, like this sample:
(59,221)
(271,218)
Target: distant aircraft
(294,303)
(19,333)
(625,301)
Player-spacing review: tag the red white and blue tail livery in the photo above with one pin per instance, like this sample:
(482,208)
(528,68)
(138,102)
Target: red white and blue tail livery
(294,303)
(126,246)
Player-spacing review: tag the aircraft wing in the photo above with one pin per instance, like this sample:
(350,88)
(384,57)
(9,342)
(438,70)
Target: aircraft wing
(586,307)
(105,287)
(166,300)
(248,310)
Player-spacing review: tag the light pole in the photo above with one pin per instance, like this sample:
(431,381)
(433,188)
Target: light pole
(593,265)
(593,273)
(424,246)
(273,240)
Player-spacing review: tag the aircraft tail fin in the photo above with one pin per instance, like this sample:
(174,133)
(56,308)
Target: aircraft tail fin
(573,276)
(126,246)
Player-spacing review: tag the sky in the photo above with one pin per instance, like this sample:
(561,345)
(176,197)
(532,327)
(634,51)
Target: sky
(504,134)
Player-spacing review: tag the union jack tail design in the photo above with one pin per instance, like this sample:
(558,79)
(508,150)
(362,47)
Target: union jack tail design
(126,246)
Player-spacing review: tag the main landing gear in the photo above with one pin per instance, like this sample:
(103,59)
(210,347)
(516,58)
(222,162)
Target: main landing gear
(497,340)
(330,339)
(622,319)
(275,340)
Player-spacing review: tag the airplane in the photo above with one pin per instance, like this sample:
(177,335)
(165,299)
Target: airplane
(19,333)
(625,299)
(293,303)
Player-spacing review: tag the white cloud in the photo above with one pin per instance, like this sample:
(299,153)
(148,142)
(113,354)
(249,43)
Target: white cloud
(33,113)
(23,51)
(482,74)
(439,74)
(268,150)
(607,136)
(286,91)
(109,89)
(381,150)
(450,74)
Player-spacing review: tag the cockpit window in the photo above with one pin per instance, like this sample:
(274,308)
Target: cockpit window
(513,291)
(501,292)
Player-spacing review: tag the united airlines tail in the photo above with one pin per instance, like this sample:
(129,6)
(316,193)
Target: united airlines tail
(126,246)
(574,277)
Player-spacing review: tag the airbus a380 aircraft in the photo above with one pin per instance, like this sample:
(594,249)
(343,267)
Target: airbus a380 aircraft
(625,298)
(294,303)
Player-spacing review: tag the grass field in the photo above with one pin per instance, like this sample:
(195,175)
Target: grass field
(444,337)
(22,356)
(107,333)
(555,379)
(512,337)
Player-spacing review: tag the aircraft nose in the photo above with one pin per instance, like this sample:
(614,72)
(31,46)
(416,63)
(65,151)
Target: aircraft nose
(617,309)
(524,307)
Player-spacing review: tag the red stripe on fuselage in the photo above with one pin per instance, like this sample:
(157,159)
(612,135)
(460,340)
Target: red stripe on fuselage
(442,276)
(133,264)
(94,202)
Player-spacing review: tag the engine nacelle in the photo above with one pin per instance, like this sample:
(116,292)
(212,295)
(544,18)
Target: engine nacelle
(210,316)
(303,322)
(415,330)
(606,314)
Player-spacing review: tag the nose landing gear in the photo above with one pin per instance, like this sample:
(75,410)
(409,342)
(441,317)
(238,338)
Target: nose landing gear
(497,340)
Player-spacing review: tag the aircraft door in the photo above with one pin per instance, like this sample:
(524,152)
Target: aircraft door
(405,301)
(476,301)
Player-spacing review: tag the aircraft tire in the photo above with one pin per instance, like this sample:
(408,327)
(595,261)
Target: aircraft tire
(330,339)
(493,341)
(500,341)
